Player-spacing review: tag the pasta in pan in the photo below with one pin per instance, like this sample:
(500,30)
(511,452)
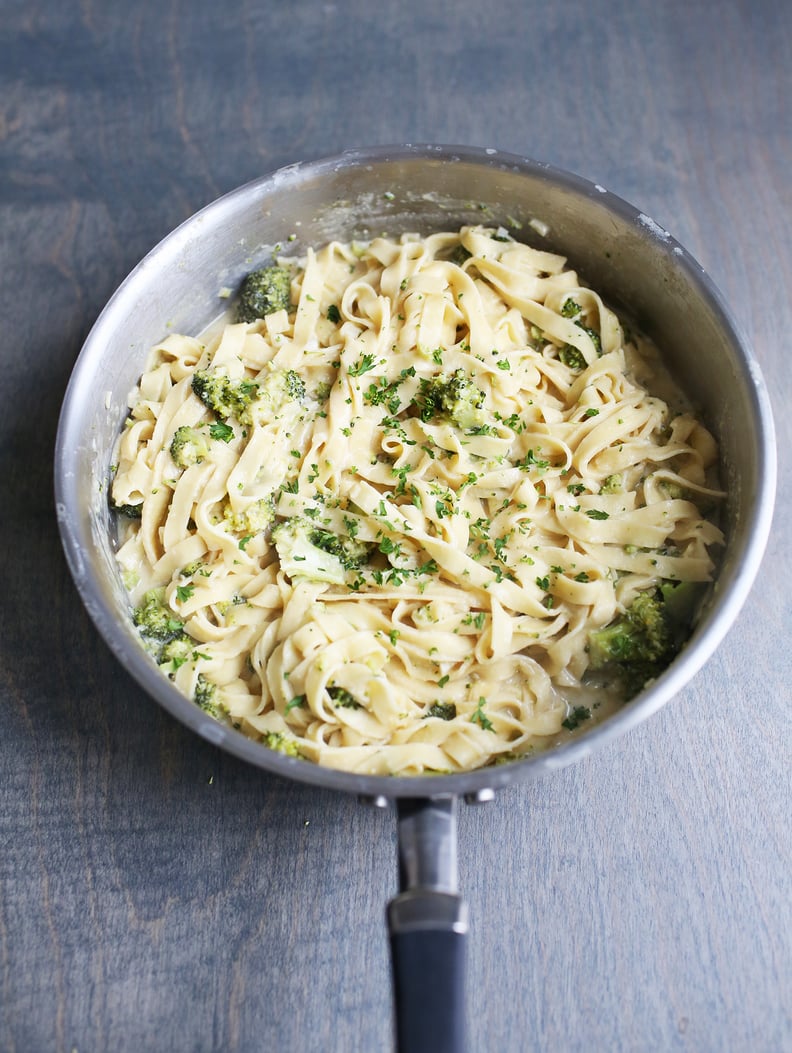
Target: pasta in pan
(377,526)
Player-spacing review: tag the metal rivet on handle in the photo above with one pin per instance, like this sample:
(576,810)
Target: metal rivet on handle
(377,801)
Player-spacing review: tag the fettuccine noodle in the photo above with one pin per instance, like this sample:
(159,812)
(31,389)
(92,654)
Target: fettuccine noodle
(377,581)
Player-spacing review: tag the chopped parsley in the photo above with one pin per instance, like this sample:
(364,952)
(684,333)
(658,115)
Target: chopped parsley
(576,718)
(531,461)
(363,365)
(479,716)
(221,431)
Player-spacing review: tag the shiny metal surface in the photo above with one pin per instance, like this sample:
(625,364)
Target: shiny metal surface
(417,911)
(428,844)
(619,250)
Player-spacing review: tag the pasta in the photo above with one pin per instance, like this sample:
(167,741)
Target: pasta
(379,526)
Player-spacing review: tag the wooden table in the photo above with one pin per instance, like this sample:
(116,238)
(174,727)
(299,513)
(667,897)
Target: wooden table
(156,894)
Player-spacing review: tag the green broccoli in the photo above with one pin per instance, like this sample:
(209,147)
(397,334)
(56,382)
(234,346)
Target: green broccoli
(177,651)
(155,619)
(256,517)
(249,401)
(130,511)
(343,698)
(441,710)
(593,336)
(263,292)
(572,358)
(640,643)
(351,553)
(224,396)
(569,354)
(188,446)
(279,388)
(196,567)
(459,255)
(681,599)
(614,484)
(454,398)
(641,633)
(131,579)
(281,743)
(674,491)
(570,308)
(206,696)
(308,551)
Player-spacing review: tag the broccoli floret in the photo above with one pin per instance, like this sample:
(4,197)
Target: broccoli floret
(260,514)
(295,385)
(641,643)
(614,484)
(255,518)
(351,553)
(441,710)
(224,396)
(196,567)
(459,255)
(206,696)
(570,308)
(177,651)
(593,335)
(642,633)
(280,387)
(249,401)
(263,292)
(276,740)
(307,551)
(130,579)
(680,599)
(343,698)
(188,446)
(156,620)
(569,355)
(674,491)
(130,511)
(453,398)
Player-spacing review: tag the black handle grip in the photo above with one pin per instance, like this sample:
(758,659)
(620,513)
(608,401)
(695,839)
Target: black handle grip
(427,935)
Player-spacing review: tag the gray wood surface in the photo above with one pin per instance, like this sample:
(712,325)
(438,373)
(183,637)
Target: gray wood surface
(158,895)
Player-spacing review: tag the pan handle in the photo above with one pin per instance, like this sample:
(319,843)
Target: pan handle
(427,922)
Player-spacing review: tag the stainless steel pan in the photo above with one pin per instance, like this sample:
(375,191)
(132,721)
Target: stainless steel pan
(634,263)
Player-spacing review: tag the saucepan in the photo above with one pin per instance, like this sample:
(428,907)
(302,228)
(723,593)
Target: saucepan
(628,257)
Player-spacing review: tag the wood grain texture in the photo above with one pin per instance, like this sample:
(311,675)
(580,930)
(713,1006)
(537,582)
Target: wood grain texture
(158,895)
